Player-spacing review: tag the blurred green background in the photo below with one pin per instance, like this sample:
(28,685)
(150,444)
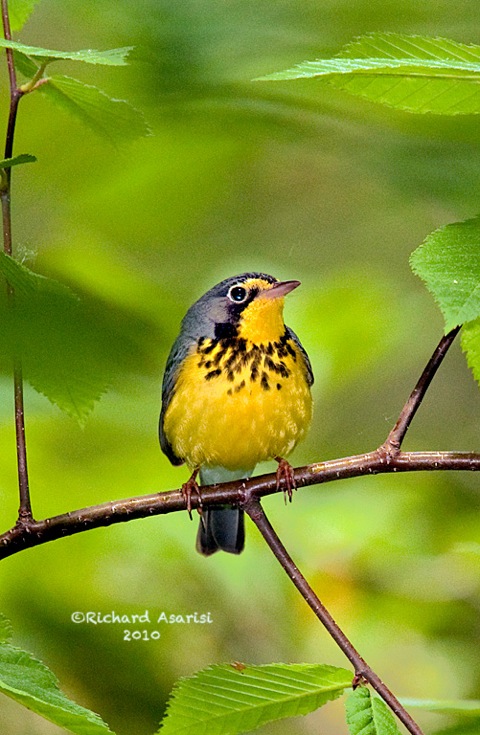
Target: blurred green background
(301,181)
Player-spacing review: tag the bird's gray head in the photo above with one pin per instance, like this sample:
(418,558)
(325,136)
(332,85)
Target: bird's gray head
(218,312)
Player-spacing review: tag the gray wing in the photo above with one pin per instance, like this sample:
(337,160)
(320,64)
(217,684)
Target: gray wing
(182,347)
(291,334)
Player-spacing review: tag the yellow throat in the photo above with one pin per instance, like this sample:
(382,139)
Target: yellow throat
(262,320)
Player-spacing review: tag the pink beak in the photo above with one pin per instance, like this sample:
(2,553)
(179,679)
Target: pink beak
(280,289)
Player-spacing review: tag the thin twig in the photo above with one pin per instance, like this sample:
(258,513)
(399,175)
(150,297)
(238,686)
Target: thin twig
(387,458)
(25,509)
(27,532)
(390,451)
(35,533)
(362,669)
(396,436)
(8,35)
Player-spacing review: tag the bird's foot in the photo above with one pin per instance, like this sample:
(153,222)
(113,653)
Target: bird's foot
(285,473)
(189,487)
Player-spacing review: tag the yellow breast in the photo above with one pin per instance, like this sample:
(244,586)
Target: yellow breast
(237,403)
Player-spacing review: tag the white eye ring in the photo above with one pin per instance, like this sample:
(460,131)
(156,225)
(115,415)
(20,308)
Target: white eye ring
(237,294)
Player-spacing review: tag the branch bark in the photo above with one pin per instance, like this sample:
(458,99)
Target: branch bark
(28,532)
(386,459)
(33,533)
(363,672)
(25,508)
(396,436)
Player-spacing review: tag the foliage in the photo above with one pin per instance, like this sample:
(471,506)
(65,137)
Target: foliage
(197,173)
(234,699)
(367,715)
(20,11)
(17,160)
(471,346)
(112,57)
(411,73)
(421,75)
(30,682)
(116,120)
(449,263)
(51,329)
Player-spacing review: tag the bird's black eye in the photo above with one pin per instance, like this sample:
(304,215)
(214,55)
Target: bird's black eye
(237,294)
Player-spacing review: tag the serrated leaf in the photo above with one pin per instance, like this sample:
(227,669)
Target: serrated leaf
(225,700)
(367,715)
(470,341)
(53,333)
(111,57)
(413,73)
(29,682)
(26,282)
(16,160)
(24,65)
(449,263)
(470,707)
(19,12)
(6,631)
(114,119)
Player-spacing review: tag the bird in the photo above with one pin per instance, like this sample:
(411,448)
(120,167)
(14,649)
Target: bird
(235,392)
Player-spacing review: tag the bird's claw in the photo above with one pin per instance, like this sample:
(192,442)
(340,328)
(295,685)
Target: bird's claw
(285,472)
(189,487)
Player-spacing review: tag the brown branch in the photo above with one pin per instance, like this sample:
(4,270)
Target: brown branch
(8,36)
(25,509)
(387,458)
(34,533)
(389,452)
(397,434)
(362,669)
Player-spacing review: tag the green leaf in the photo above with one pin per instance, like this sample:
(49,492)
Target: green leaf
(413,73)
(112,57)
(6,631)
(114,119)
(448,706)
(16,160)
(24,65)
(27,282)
(29,682)
(224,700)
(19,12)
(367,715)
(449,263)
(61,350)
(471,347)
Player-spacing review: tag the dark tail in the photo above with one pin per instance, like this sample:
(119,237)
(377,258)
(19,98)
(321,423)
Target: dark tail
(221,528)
